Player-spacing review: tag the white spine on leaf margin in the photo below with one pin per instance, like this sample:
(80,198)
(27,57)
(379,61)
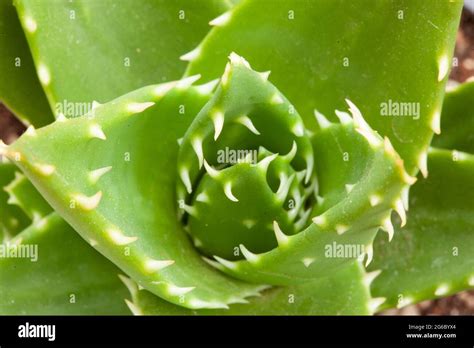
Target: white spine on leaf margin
(322,121)
(249,256)
(228,192)
(281,238)
(222,20)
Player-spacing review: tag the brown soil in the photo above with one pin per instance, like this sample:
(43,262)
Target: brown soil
(10,127)
(464,49)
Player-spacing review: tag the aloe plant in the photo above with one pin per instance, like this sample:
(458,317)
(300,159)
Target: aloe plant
(253,180)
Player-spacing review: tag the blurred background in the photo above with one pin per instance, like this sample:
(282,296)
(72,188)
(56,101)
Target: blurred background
(463,70)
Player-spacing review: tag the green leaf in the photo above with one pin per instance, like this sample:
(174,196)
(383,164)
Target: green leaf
(343,293)
(20,89)
(237,117)
(97,50)
(233,2)
(65,268)
(60,274)
(457,121)
(349,216)
(12,218)
(114,182)
(323,51)
(22,193)
(432,256)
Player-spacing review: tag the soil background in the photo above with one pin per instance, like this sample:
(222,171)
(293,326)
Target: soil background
(459,304)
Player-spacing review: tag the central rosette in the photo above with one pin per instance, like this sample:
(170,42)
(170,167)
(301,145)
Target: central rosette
(245,167)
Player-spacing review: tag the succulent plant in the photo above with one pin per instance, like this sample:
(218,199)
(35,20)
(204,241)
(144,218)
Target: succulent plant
(202,183)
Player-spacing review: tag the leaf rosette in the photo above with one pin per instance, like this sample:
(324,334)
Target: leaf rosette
(202,233)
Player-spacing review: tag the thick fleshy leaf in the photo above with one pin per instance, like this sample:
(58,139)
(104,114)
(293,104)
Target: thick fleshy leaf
(323,51)
(49,269)
(238,117)
(343,293)
(78,63)
(12,219)
(114,182)
(432,255)
(20,89)
(457,120)
(344,215)
(22,193)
